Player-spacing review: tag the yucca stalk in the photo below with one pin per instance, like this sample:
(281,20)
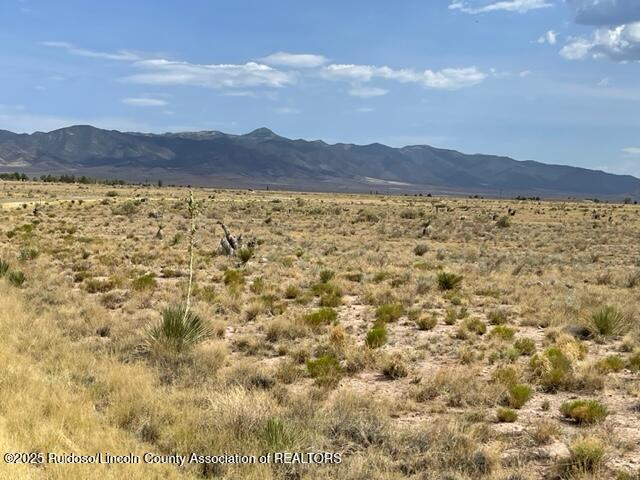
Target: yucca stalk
(193,208)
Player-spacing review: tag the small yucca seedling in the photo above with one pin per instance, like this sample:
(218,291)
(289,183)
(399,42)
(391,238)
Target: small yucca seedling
(17,278)
(245,254)
(4,267)
(326,275)
(448,280)
(179,329)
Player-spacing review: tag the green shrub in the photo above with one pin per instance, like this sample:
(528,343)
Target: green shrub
(177,238)
(426,322)
(233,278)
(518,395)
(506,415)
(245,254)
(448,280)
(326,275)
(611,363)
(585,412)
(607,321)
(394,368)
(552,369)
(291,292)
(525,346)
(634,361)
(323,316)
(257,286)
(28,253)
(145,282)
(497,317)
(16,278)
(4,268)
(326,370)
(377,336)
(277,435)
(127,208)
(502,332)
(503,222)
(179,330)
(587,454)
(476,326)
(420,249)
(389,312)
(331,297)
(95,285)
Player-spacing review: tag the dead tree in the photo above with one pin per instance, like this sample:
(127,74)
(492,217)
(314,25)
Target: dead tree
(229,244)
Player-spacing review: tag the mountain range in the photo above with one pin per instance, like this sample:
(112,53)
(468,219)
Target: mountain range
(262,158)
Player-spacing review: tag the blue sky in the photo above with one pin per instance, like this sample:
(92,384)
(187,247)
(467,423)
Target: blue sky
(549,80)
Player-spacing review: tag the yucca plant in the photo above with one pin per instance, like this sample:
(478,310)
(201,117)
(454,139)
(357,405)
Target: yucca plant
(4,267)
(448,280)
(607,322)
(179,329)
(17,278)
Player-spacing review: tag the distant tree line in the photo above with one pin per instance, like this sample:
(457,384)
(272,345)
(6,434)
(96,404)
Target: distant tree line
(22,177)
(18,177)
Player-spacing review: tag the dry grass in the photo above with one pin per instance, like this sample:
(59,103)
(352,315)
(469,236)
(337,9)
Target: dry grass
(468,318)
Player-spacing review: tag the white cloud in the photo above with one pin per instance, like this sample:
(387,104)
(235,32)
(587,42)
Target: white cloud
(631,151)
(365,109)
(620,43)
(605,12)
(295,60)
(446,79)
(550,37)
(122,55)
(367,92)
(144,102)
(519,6)
(524,73)
(251,74)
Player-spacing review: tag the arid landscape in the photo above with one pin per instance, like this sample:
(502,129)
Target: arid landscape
(418,337)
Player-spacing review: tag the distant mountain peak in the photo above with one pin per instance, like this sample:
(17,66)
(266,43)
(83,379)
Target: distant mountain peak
(261,133)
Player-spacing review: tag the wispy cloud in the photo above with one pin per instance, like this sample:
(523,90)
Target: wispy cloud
(446,79)
(519,6)
(367,92)
(295,60)
(240,77)
(631,151)
(169,72)
(144,102)
(122,55)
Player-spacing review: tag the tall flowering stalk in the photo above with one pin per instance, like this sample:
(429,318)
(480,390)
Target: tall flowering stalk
(193,209)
